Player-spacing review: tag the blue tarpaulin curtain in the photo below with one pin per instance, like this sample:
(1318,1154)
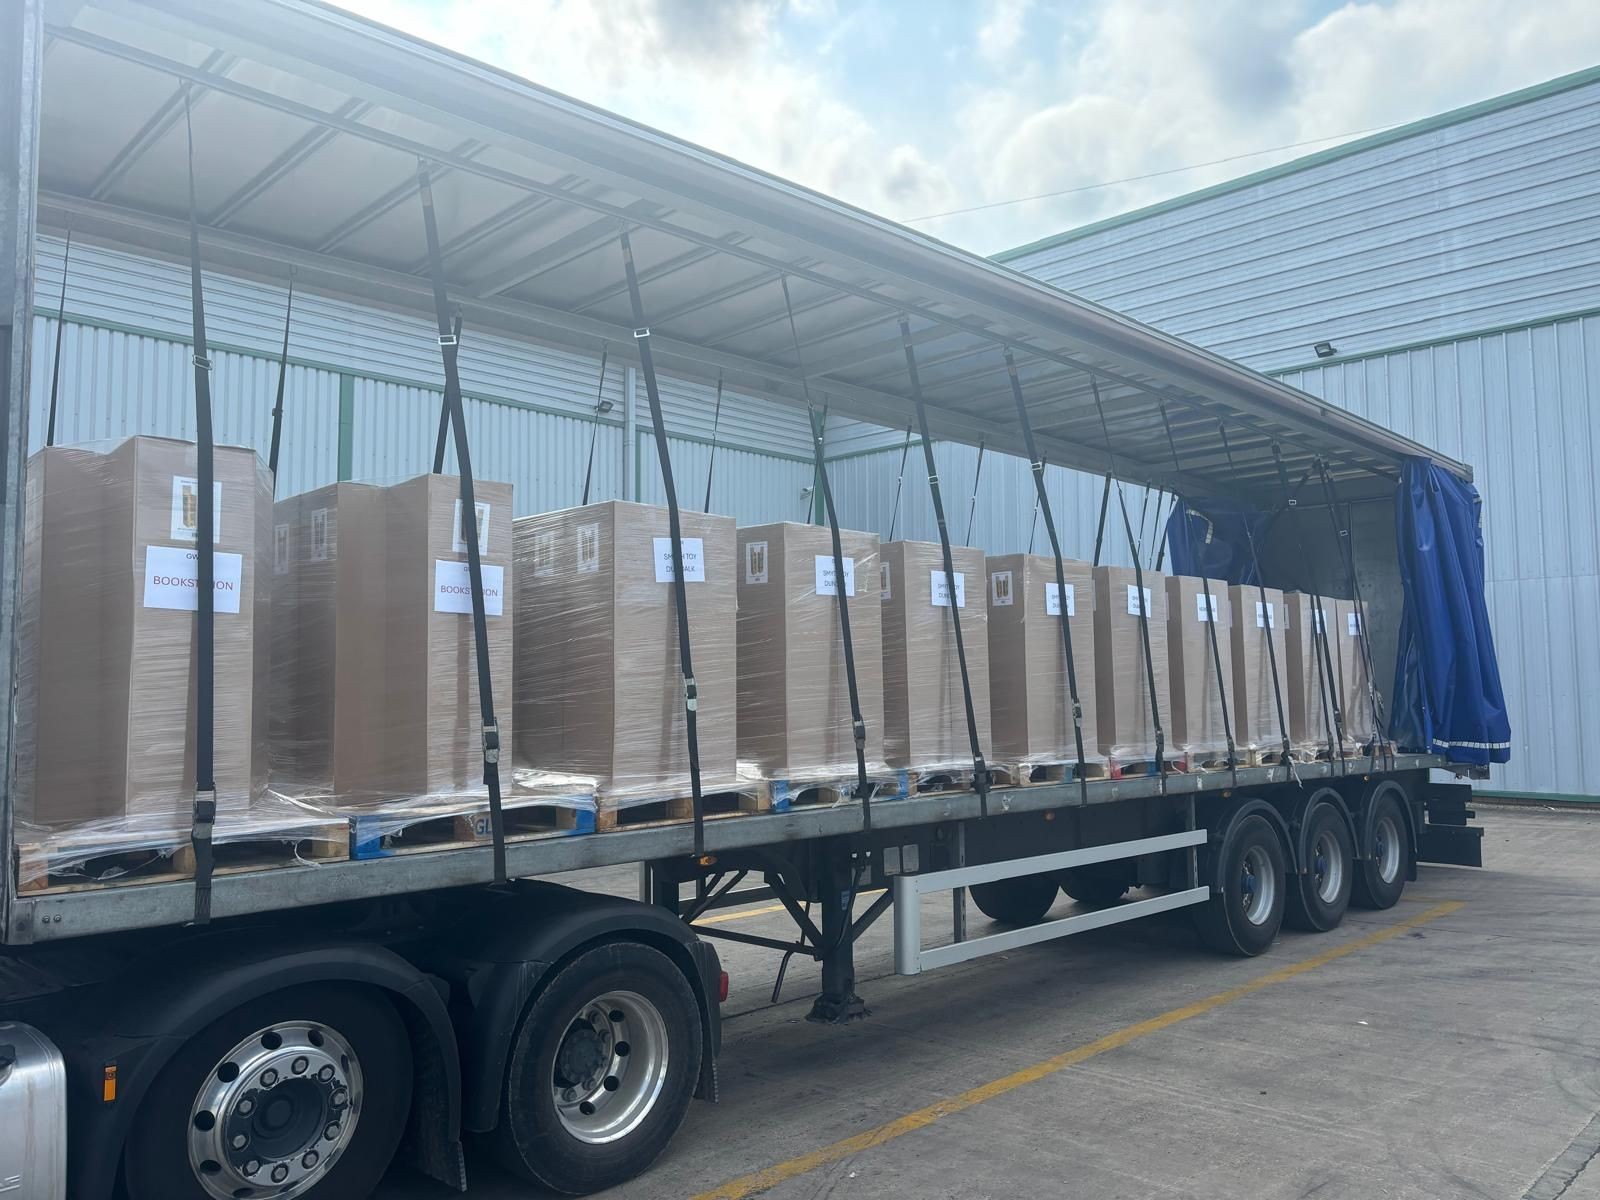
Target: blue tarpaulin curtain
(1213,543)
(1448,698)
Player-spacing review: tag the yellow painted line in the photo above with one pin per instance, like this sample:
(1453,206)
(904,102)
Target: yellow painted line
(770,1177)
(719,918)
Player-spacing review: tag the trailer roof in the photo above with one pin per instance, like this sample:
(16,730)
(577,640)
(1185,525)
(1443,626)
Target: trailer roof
(309,123)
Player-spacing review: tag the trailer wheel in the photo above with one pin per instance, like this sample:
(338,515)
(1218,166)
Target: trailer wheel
(1020,901)
(1380,878)
(1244,916)
(1095,888)
(1318,899)
(302,1093)
(601,1070)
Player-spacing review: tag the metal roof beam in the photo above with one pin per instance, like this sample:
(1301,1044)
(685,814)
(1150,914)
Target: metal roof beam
(553,255)
(161,121)
(387,203)
(286,162)
(485,229)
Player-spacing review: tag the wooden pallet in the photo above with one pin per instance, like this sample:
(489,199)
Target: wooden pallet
(674,810)
(60,865)
(785,794)
(1038,774)
(928,780)
(1134,768)
(384,835)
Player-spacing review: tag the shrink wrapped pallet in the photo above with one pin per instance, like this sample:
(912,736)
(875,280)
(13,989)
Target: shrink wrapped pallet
(1030,702)
(599,690)
(925,721)
(106,672)
(1311,689)
(1124,716)
(1194,606)
(1351,667)
(1256,725)
(794,719)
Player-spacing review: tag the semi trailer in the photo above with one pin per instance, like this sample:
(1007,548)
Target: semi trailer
(292,1031)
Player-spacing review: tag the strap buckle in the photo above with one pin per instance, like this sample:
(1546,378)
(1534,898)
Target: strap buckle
(448,339)
(642,332)
(691,693)
(205,815)
(491,742)
(201,361)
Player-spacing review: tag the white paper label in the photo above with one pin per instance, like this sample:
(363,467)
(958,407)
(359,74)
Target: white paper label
(589,548)
(1000,589)
(755,562)
(1052,600)
(452,588)
(186,509)
(884,590)
(172,579)
(1265,617)
(1205,607)
(694,560)
(1353,623)
(280,549)
(825,581)
(544,553)
(1134,608)
(941,591)
(322,536)
(1319,621)
(460,543)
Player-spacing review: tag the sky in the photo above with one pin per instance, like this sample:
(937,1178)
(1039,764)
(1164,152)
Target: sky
(915,109)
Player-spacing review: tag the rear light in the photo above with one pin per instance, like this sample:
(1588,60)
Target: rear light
(722,988)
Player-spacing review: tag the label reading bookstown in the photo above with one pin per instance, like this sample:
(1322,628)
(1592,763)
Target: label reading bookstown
(452,588)
(172,579)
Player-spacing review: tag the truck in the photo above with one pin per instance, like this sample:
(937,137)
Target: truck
(307,1025)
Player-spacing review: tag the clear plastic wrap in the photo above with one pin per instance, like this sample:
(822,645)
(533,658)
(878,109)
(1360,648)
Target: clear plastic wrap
(1122,688)
(599,690)
(1030,704)
(1310,691)
(1254,698)
(794,700)
(1197,705)
(1351,666)
(924,716)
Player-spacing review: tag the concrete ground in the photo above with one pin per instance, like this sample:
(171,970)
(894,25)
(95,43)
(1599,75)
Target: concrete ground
(1449,1047)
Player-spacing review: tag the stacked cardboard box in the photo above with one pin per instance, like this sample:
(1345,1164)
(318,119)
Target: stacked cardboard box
(1124,716)
(794,700)
(1030,702)
(599,690)
(1309,699)
(106,637)
(1255,696)
(1195,608)
(924,714)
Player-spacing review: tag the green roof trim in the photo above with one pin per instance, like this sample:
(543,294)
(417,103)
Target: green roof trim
(1455,116)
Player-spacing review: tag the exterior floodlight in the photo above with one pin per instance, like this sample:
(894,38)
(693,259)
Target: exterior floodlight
(1325,349)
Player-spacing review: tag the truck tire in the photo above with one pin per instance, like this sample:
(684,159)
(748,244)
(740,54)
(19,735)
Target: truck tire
(1380,878)
(302,1095)
(1020,901)
(1244,916)
(1318,899)
(1095,887)
(601,1070)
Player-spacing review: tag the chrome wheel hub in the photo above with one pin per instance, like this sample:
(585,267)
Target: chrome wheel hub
(1327,867)
(610,1067)
(1258,885)
(1386,849)
(275,1114)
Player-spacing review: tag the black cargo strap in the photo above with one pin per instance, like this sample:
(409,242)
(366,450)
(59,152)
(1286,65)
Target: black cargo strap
(442,438)
(1333,721)
(858,724)
(1346,542)
(283,378)
(594,434)
(61,327)
(711,461)
(1266,618)
(1161,542)
(1041,504)
(818,429)
(1105,505)
(1144,608)
(449,346)
(977,479)
(899,481)
(1214,610)
(203,824)
(980,769)
(691,692)
(1033,524)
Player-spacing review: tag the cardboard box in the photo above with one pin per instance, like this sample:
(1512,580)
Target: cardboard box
(924,714)
(1122,688)
(1310,696)
(1255,700)
(1194,612)
(106,630)
(1350,663)
(1030,701)
(599,688)
(794,698)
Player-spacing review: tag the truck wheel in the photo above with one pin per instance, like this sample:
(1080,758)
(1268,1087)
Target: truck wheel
(302,1093)
(1091,887)
(1318,899)
(1244,916)
(601,1070)
(1379,880)
(1020,901)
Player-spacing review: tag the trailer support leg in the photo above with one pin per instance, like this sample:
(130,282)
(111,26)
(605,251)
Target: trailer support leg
(837,891)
